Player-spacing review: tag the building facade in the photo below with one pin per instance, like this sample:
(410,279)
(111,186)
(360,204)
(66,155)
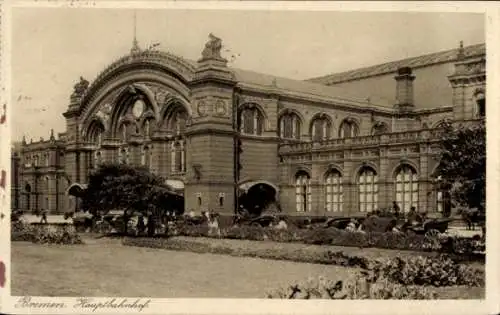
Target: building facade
(344,143)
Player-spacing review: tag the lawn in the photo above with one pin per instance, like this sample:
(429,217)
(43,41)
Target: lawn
(111,269)
(106,268)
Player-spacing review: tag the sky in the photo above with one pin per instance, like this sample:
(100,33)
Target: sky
(53,47)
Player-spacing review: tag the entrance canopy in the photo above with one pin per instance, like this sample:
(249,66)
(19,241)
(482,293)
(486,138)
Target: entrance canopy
(177,185)
(76,189)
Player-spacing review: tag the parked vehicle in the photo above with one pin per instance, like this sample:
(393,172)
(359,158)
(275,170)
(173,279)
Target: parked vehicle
(429,228)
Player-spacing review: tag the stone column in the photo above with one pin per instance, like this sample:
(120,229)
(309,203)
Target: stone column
(317,203)
(386,187)
(349,188)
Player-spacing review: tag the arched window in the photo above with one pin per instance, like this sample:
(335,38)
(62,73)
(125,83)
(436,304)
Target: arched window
(367,189)
(348,129)
(290,126)
(333,191)
(35,160)
(47,160)
(406,187)
(303,191)
(175,120)
(380,128)
(95,131)
(178,157)
(251,121)
(320,128)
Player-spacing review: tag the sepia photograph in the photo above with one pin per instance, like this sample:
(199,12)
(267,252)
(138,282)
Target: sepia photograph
(253,154)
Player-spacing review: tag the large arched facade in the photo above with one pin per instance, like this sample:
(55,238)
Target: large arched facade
(208,128)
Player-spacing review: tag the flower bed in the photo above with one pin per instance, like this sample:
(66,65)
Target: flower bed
(435,271)
(63,233)
(359,287)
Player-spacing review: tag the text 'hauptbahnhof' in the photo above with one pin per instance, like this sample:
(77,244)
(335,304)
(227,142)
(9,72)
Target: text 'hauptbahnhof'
(345,143)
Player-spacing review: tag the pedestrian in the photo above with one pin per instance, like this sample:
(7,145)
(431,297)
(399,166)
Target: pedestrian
(151,226)
(395,208)
(44,217)
(141,226)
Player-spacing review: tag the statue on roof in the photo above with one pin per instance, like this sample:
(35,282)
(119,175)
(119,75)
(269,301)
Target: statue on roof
(80,87)
(212,48)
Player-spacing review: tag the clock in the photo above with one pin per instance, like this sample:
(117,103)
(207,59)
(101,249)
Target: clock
(138,108)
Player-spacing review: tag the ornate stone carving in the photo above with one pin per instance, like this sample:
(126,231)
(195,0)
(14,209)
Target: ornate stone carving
(212,48)
(202,108)
(220,108)
(104,113)
(477,67)
(80,88)
(161,97)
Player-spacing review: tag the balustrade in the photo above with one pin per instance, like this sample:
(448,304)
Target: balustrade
(391,138)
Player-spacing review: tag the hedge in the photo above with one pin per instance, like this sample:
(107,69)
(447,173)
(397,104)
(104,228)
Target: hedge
(333,236)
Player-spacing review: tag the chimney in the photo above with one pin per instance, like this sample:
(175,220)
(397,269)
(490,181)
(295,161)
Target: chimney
(404,89)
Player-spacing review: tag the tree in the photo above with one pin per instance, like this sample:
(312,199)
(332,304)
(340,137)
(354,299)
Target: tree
(462,166)
(120,186)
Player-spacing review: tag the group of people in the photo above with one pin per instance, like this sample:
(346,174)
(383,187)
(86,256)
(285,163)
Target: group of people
(148,227)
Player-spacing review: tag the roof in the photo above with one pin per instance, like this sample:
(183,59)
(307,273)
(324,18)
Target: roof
(285,85)
(282,85)
(389,67)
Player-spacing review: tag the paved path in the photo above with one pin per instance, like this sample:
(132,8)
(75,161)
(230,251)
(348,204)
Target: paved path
(31,218)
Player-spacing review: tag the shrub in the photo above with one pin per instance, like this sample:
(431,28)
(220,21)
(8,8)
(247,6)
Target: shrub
(358,287)
(49,234)
(45,233)
(21,232)
(419,270)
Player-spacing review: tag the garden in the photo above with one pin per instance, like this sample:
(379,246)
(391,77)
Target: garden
(373,263)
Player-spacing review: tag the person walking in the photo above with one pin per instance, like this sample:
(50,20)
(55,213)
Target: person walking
(395,209)
(44,217)
(140,225)
(151,226)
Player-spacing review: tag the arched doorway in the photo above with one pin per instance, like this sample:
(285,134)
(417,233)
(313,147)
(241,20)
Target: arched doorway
(75,192)
(256,197)
(175,200)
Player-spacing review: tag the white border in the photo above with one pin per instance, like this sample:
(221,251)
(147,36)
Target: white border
(253,306)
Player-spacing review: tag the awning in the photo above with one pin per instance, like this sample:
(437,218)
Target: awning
(175,184)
